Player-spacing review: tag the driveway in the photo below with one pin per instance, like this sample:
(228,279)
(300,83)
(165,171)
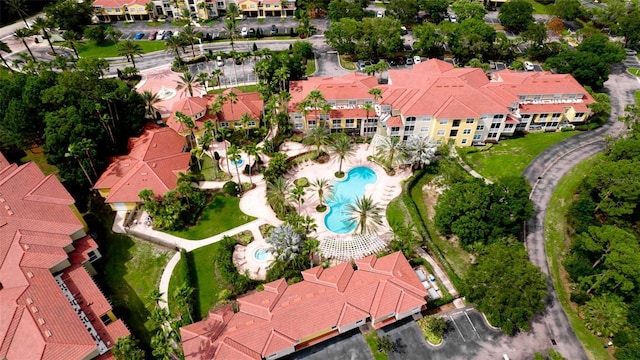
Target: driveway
(544,173)
(327,63)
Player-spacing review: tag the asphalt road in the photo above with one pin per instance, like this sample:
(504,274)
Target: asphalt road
(544,174)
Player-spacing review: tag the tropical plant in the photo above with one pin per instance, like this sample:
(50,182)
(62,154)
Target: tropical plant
(189,35)
(72,39)
(187,82)
(150,99)
(232,98)
(245,119)
(365,214)
(297,195)
(5,48)
(316,100)
(77,151)
(41,25)
(233,154)
(156,296)
(343,147)
(174,44)
(126,348)
(420,150)
(286,243)
(19,8)
(183,295)
(217,73)
(376,93)
(232,29)
(277,194)
(391,151)
(255,151)
(323,187)
(130,49)
(22,35)
(318,137)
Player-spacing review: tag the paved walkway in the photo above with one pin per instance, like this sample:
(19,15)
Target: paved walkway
(440,274)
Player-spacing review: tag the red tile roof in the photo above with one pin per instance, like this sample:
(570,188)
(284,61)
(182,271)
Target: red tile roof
(280,316)
(36,223)
(118,3)
(154,162)
(352,86)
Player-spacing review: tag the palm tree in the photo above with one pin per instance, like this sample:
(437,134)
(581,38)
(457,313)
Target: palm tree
(234,55)
(60,63)
(286,243)
(18,7)
(22,35)
(75,151)
(189,35)
(318,137)
(391,151)
(182,295)
(322,186)
(376,93)
(42,25)
(232,98)
(255,151)
(233,154)
(316,100)
(174,43)
(215,108)
(149,99)
(365,213)
(5,48)
(130,49)
(218,73)
(203,78)
(232,12)
(420,150)
(205,8)
(88,147)
(297,195)
(244,122)
(72,39)
(277,194)
(283,100)
(187,82)
(114,34)
(150,8)
(185,120)
(343,147)
(304,108)
(156,296)
(232,29)
(282,75)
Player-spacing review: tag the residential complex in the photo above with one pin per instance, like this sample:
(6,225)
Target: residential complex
(155,161)
(131,10)
(284,318)
(444,103)
(50,308)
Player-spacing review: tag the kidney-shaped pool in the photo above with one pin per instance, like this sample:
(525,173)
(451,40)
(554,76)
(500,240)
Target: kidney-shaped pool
(346,192)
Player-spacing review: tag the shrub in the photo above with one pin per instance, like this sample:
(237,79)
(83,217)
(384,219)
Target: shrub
(223,259)
(580,297)
(301,182)
(230,188)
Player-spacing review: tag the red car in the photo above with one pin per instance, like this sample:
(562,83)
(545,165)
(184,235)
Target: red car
(153,35)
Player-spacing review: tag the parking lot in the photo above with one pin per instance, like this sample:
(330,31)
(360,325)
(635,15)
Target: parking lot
(348,346)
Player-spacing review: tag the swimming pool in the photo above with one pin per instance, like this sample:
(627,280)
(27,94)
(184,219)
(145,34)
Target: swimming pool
(346,192)
(261,254)
(237,163)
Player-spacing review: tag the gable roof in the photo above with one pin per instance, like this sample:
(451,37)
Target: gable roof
(37,321)
(281,316)
(154,162)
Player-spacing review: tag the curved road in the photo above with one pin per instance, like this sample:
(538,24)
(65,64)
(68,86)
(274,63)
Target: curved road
(544,174)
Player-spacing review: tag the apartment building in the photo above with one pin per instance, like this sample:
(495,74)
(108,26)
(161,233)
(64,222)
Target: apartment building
(282,318)
(447,104)
(50,307)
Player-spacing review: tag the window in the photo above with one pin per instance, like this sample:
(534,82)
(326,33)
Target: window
(441,132)
(386,108)
(297,116)
(444,122)
(492,135)
(480,128)
(544,117)
(508,126)
(251,123)
(470,121)
(109,10)
(464,141)
(453,133)
(92,256)
(456,123)
(411,120)
(498,118)
(395,129)
(477,137)
(372,121)
(350,123)
(267,6)
(252,6)
(495,125)
(332,103)
(311,124)
(426,118)
(105,319)
(578,117)
(224,124)
(409,128)
(298,126)
(555,116)
(466,131)
(424,129)
(369,130)
(353,102)
(537,97)
(336,123)
(368,101)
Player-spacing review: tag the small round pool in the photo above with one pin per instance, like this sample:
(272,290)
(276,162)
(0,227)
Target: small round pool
(237,163)
(261,254)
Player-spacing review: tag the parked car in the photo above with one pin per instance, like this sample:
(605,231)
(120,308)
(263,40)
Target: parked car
(453,18)
(139,35)
(177,33)
(528,66)
(167,35)
(244,31)
(631,52)
(403,30)
(361,64)
(417,59)
(160,34)
(274,29)
(379,14)
(400,60)
(392,62)
(153,35)
(409,60)
(219,61)
(252,32)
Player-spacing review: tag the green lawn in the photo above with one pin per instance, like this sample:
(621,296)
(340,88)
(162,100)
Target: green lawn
(311,66)
(108,49)
(638,97)
(221,214)
(211,289)
(245,88)
(36,154)
(347,64)
(396,212)
(511,156)
(372,340)
(556,244)
(128,271)
(539,8)
(634,71)
(210,171)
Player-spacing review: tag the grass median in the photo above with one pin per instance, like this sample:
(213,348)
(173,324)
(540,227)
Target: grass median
(109,49)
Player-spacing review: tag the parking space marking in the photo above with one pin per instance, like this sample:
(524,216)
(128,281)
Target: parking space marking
(471,322)
(456,325)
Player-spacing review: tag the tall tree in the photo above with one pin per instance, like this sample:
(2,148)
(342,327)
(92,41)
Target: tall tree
(150,100)
(189,35)
(183,296)
(234,155)
(343,147)
(517,15)
(277,194)
(391,152)
(126,348)
(5,48)
(318,137)
(72,39)
(366,214)
(75,151)
(18,7)
(187,82)
(174,44)
(255,151)
(22,35)
(42,25)
(323,187)
(420,150)
(130,49)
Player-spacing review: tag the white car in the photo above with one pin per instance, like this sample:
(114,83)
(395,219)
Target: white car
(631,52)
(160,34)
(379,14)
(219,61)
(417,59)
(528,66)
(453,18)
(244,31)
